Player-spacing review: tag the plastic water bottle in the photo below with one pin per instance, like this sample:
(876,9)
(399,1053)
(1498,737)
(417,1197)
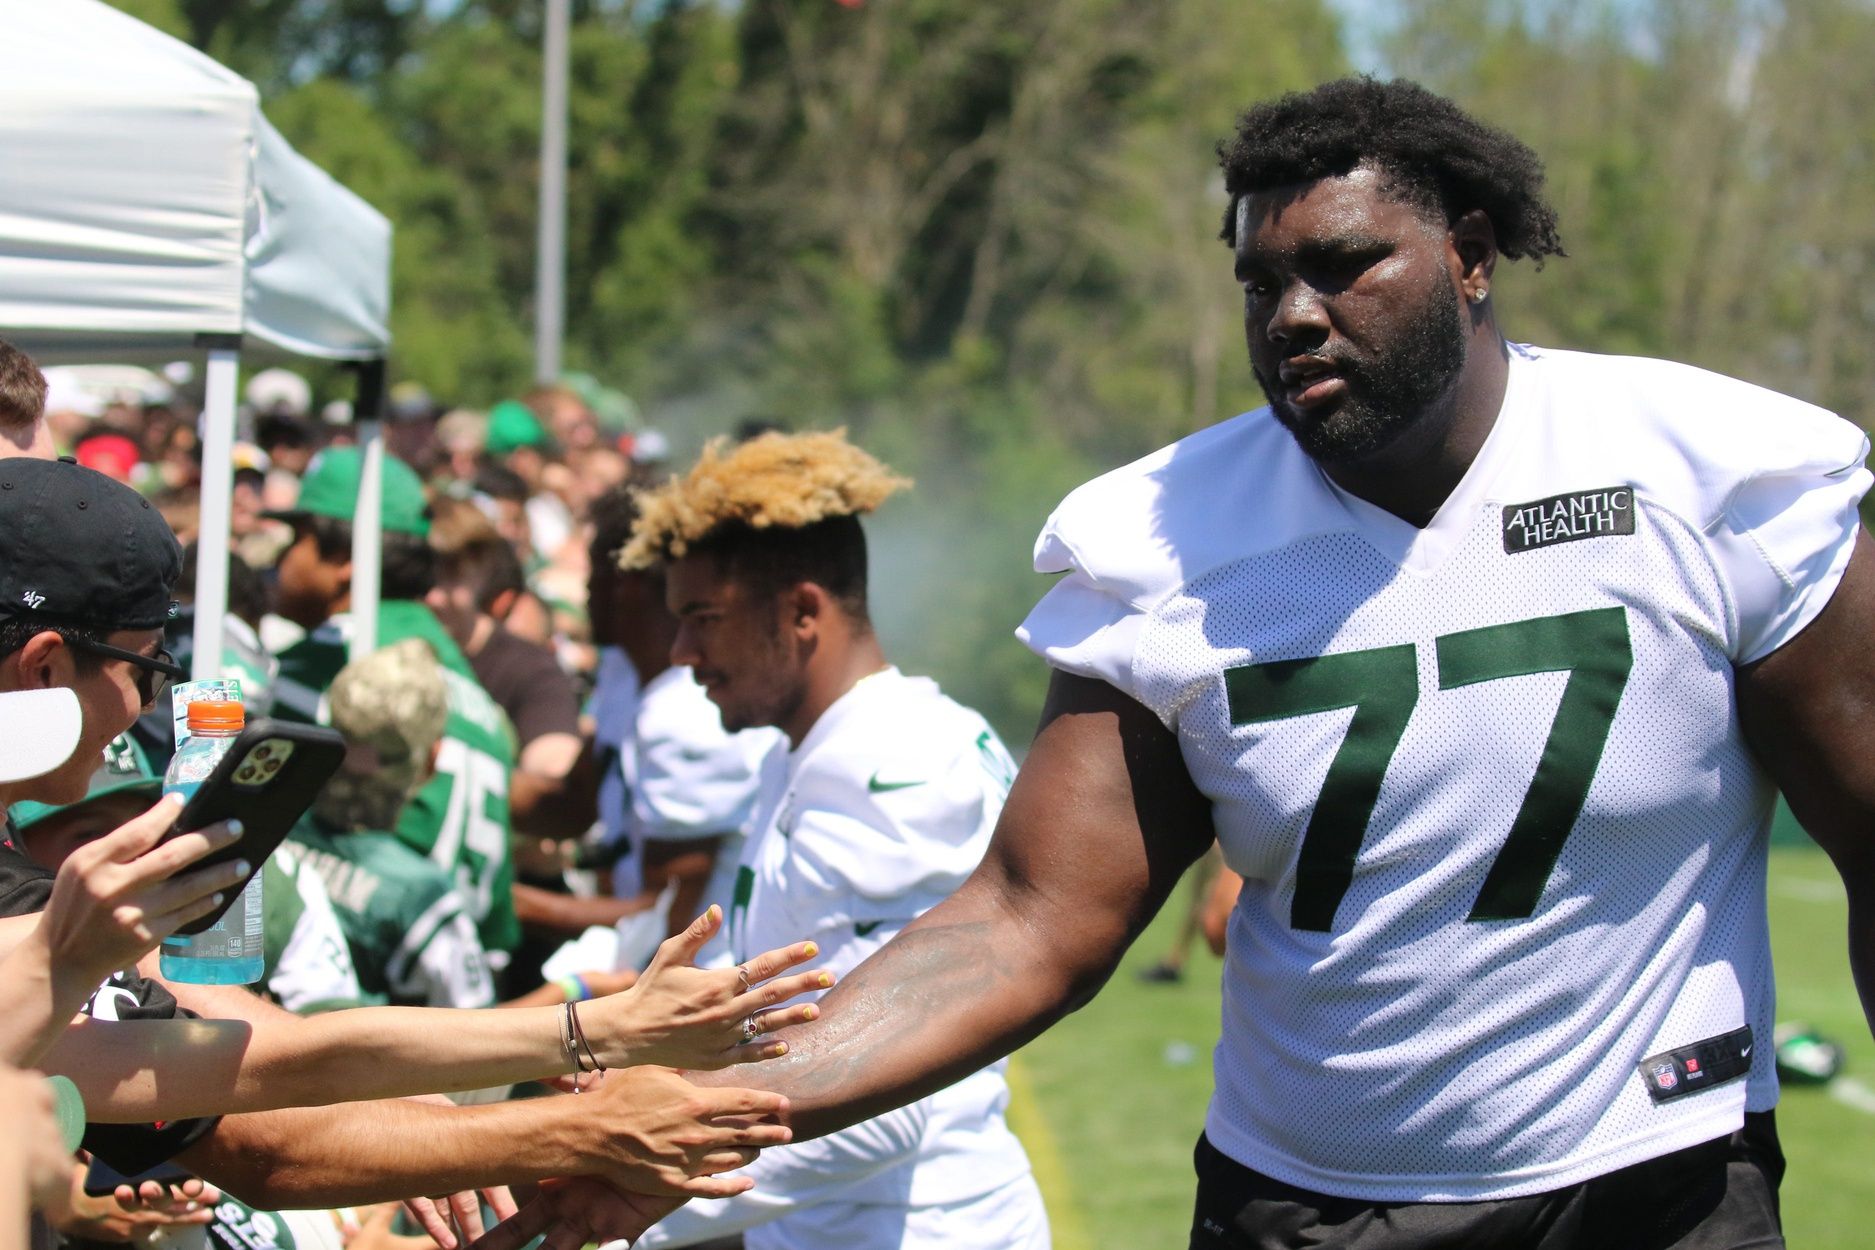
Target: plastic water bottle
(232,951)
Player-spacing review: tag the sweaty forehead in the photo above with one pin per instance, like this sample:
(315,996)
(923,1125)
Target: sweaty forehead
(1360,204)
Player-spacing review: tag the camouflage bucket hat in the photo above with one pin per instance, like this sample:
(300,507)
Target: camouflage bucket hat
(394,701)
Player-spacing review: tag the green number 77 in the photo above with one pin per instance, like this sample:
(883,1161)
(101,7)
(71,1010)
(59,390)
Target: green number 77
(1382,686)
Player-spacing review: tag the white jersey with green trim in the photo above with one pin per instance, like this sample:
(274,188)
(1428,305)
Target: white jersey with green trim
(880,814)
(1503,922)
(688,779)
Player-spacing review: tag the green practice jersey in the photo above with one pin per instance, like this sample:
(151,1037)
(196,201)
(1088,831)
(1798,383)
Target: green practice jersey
(237,1226)
(308,963)
(412,940)
(460,818)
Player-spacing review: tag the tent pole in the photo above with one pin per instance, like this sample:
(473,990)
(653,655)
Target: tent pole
(550,230)
(367,522)
(211,563)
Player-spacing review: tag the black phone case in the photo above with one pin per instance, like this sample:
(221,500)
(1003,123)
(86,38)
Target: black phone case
(101,1179)
(266,781)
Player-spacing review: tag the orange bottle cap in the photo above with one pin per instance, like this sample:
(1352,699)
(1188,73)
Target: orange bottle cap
(216,715)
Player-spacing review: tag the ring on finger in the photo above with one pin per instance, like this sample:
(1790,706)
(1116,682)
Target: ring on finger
(749,1030)
(742,978)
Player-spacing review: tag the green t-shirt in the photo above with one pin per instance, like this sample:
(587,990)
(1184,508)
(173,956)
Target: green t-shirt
(460,817)
(412,941)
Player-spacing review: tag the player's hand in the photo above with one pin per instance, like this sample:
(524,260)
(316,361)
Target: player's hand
(116,898)
(652,1132)
(578,1212)
(457,1218)
(682,1016)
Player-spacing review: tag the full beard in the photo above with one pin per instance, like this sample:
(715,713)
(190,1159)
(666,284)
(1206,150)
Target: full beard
(1387,396)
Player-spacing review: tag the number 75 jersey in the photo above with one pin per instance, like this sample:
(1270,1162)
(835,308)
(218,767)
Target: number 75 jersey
(1503,921)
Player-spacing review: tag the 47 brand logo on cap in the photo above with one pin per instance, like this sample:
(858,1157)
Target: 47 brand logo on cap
(1566,518)
(32,599)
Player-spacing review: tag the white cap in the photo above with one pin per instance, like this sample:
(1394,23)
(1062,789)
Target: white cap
(39,730)
(64,393)
(279,390)
(650,447)
(121,384)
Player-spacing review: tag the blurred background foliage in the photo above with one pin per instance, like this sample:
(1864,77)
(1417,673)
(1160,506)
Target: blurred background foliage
(982,236)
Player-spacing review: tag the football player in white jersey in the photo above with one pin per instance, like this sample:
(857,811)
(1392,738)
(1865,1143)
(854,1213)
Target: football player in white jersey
(881,805)
(1483,663)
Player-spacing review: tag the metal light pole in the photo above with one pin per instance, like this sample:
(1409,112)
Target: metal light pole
(550,244)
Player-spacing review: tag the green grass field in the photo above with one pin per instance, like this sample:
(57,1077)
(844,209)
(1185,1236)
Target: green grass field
(1110,1101)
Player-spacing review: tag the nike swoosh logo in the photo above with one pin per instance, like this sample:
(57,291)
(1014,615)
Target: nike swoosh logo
(881,787)
(864,928)
(1743,1051)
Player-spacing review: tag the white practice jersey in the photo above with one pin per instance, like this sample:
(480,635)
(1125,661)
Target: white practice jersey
(688,779)
(881,813)
(1503,921)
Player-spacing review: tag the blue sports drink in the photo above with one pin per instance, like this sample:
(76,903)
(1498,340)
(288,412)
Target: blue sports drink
(232,951)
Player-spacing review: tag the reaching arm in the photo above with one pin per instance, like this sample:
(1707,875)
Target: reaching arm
(572,915)
(1808,711)
(251,1056)
(541,776)
(1101,824)
(648,1130)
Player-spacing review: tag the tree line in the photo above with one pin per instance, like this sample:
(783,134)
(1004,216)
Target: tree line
(983,236)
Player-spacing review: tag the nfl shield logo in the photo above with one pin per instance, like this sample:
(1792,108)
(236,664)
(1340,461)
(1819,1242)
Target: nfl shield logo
(1664,1076)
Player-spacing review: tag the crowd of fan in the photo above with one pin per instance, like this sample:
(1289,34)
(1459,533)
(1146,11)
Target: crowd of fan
(478,847)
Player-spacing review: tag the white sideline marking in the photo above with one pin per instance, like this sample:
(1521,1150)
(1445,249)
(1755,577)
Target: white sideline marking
(1852,1093)
(1808,891)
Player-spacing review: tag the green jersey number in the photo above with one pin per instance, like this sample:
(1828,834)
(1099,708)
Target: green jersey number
(1382,687)
(472,842)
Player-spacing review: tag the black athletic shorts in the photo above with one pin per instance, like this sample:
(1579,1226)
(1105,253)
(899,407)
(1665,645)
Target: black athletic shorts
(1721,1195)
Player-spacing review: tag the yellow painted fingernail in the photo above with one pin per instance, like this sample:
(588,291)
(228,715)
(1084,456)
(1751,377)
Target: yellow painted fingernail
(812,1013)
(779,1048)
(809,950)
(825,980)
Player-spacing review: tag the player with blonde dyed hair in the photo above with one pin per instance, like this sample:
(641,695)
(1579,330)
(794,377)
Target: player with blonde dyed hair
(880,808)
(790,481)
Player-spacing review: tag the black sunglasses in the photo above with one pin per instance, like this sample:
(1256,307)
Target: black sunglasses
(154,674)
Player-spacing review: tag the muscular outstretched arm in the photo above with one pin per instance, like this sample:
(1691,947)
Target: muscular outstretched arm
(1808,711)
(1101,824)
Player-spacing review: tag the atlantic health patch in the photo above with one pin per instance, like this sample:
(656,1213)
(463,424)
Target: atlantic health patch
(1566,518)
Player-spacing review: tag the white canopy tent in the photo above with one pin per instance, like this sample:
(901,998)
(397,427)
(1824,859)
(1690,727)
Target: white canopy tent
(149,211)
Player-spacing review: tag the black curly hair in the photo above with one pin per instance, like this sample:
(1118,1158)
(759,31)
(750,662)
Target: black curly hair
(1434,154)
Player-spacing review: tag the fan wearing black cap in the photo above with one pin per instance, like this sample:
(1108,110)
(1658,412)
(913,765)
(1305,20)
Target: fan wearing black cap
(85,572)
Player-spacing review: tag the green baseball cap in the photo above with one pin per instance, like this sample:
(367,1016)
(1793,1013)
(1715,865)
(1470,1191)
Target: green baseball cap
(68,1110)
(124,766)
(512,424)
(330,489)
